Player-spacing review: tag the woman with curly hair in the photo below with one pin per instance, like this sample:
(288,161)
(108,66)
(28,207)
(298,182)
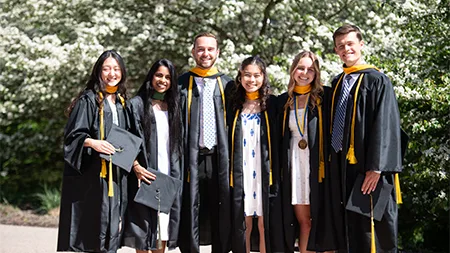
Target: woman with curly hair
(253,162)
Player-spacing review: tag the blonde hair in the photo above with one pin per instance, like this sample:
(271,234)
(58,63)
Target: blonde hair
(316,85)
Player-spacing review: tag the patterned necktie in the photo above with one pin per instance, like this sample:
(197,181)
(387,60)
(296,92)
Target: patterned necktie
(209,119)
(339,117)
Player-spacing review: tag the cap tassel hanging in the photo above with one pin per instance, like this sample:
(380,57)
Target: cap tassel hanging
(398,192)
(373,248)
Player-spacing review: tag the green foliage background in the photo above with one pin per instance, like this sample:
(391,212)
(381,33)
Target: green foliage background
(48,47)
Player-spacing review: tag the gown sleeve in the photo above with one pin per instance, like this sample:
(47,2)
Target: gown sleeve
(384,140)
(78,128)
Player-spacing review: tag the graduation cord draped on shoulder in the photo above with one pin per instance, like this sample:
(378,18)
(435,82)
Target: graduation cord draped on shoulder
(199,72)
(350,156)
(102,137)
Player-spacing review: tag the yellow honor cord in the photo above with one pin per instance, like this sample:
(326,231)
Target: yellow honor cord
(351,150)
(302,89)
(204,72)
(252,95)
(373,247)
(270,147)
(321,155)
(102,134)
(111,89)
(284,121)
(232,148)
(398,192)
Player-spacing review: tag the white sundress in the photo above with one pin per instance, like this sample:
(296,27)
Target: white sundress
(251,164)
(162,129)
(299,161)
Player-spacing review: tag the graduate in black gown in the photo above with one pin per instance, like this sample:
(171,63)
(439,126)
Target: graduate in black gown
(366,142)
(155,117)
(205,215)
(304,124)
(94,193)
(253,151)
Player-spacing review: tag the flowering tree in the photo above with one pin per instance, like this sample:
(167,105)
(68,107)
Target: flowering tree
(47,50)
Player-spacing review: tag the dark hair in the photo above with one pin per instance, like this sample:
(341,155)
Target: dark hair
(238,94)
(95,82)
(172,98)
(346,29)
(206,34)
(316,85)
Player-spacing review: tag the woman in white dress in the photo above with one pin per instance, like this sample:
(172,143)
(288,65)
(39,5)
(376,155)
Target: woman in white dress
(252,156)
(303,147)
(155,117)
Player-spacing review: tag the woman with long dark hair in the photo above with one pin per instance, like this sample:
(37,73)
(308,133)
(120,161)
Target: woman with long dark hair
(254,174)
(94,195)
(155,117)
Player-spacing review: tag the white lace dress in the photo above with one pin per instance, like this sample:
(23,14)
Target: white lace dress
(299,161)
(251,124)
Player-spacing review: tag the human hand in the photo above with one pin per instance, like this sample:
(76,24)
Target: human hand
(143,174)
(370,182)
(100,146)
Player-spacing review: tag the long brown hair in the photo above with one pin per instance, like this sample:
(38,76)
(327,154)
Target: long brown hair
(316,85)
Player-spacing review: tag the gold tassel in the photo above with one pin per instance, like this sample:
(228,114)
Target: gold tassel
(110,181)
(270,178)
(231,180)
(373,248)
(103,171)
(398,192)
(351,155)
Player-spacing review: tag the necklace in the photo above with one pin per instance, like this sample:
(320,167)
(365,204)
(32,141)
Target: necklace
(301,127)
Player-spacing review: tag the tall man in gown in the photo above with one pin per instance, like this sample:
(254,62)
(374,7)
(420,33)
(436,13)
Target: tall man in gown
(365,143)
(205,213)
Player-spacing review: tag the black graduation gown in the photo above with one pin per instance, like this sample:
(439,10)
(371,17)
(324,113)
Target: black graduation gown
(141,223)
(320,214)
(89,220)
(189,240)
(377,145)
(271,198)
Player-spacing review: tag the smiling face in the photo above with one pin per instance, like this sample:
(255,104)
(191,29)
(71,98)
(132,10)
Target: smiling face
(349,47)
(304,73)
(205,52)
(252,78)
(111,72)
(161,79)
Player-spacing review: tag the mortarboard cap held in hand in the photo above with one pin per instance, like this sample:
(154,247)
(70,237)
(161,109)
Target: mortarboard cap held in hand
(160,194)
(127,147)
(360,203)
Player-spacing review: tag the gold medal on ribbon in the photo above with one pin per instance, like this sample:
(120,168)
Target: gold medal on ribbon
(302,144)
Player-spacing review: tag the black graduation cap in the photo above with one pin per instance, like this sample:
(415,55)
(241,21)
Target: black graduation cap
(161,193)
(127,147)
(360,203)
